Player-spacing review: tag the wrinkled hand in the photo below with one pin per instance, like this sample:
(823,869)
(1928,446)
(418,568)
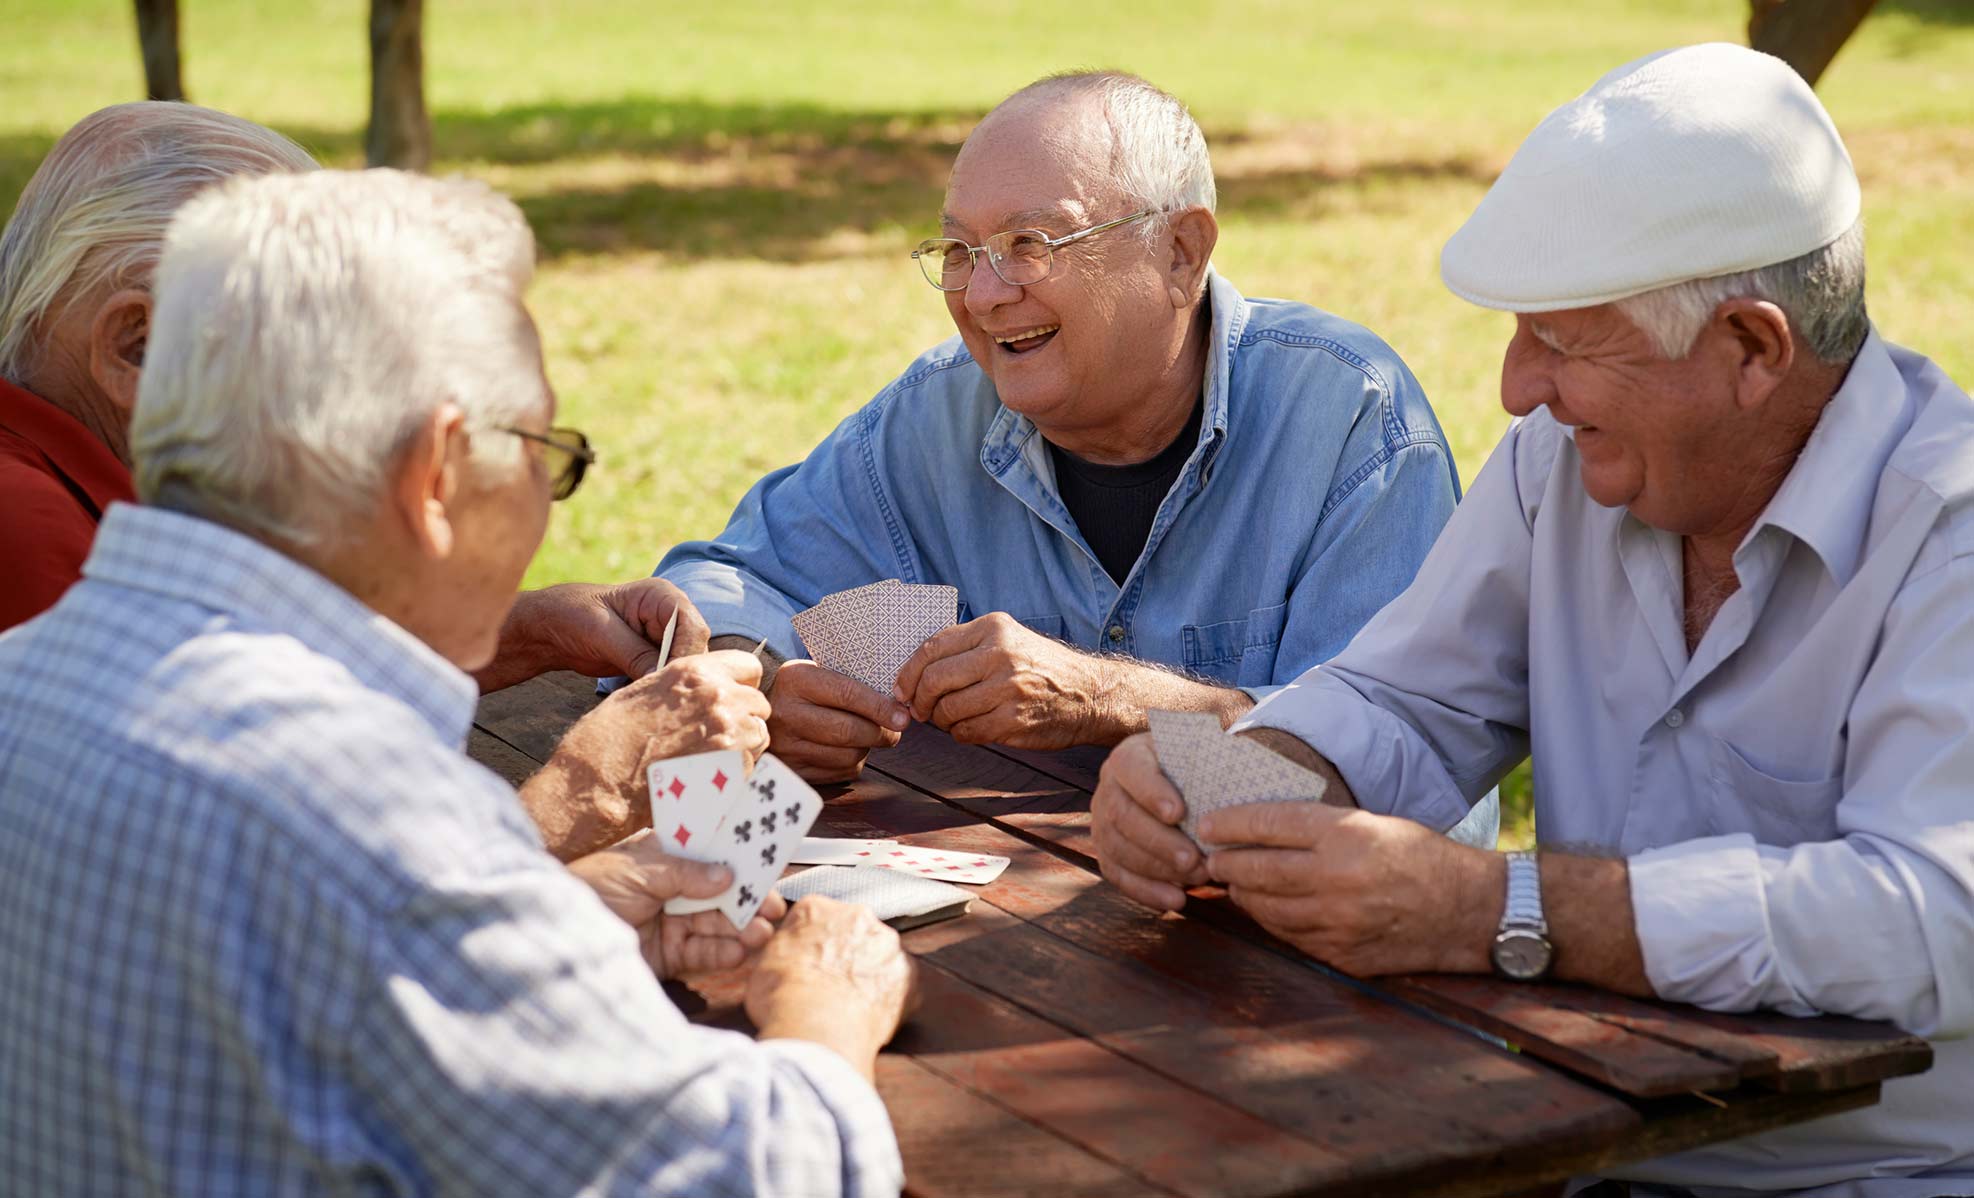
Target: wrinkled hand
(695,705)
(1368,894)
(994,681)
(592,791)
(635,879)
(1134,817)
(835,974)
(600,631)
(824,724)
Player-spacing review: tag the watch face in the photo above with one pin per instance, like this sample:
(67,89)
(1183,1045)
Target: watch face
(1521,954)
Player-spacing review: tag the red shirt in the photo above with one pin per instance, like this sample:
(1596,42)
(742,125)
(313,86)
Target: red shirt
(56,479)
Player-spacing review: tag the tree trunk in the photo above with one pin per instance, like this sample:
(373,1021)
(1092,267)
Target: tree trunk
(157,37)
(1806,34)
(400,131)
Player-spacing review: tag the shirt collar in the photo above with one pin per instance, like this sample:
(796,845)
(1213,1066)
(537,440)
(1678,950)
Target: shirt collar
(199,562)
(77,453)
(1009,434)
(1826,499)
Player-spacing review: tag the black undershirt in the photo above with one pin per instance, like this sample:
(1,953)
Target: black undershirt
(1114,506)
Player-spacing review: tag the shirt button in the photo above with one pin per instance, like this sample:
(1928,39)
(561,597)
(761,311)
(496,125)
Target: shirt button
(1675,718)
(1116,633)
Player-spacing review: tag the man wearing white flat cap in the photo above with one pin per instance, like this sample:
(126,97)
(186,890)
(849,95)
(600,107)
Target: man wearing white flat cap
(1720,575)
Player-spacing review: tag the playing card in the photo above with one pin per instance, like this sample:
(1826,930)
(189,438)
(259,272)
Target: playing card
(837,850)
(762,830)
(972,868)
(1212,769)
(665,645)
(901,900)
(869,632)
(689,797)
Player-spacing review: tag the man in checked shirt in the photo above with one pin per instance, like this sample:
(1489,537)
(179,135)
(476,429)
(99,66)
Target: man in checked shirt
(263,927)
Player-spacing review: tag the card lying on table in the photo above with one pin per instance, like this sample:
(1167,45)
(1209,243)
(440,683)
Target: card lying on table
(1212,769)
(898,899)
(870,632)
(946,865)
(705,809)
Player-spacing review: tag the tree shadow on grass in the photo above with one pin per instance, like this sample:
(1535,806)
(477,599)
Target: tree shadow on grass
(775,182)
(1935,12)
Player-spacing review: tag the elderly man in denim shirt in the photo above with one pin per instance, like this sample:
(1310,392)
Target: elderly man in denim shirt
(1150,491)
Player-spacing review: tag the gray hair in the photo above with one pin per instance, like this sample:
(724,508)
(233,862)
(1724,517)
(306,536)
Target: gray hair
(306,326)
(1158,154)
(1822,293)
(93,214)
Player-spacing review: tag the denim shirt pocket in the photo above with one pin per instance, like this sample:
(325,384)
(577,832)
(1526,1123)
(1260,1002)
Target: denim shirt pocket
(1049,626)
(1779,812)
(1239,652)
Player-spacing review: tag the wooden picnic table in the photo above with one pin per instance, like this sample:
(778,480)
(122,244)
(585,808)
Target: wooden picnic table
(1072,1042)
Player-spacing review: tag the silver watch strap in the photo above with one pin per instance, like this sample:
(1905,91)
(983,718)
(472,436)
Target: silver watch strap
(1524,908)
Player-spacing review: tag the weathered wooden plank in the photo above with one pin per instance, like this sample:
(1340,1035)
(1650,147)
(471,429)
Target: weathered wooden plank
(994,786)
(533,715)
(513,766)
(1600,1049)
(957,1144)
(1078,766)
(1823,1053)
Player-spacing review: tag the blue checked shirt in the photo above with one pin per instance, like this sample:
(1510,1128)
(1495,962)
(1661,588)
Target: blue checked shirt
(265,930)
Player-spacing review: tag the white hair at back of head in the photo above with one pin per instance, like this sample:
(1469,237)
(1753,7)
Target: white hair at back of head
(93,215)
(307,325)
(1822,292)
(1158,153)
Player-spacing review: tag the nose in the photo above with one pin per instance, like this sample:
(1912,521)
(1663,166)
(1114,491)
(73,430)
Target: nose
(1527,382)
(986,291)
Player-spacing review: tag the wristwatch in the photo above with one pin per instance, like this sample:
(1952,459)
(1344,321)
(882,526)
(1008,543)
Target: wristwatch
(1522,951)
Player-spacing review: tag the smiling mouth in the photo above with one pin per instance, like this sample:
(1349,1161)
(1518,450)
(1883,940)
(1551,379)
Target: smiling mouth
(1028,340)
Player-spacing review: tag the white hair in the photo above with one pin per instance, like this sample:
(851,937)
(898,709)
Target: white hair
(1822,293)
(91,218)
(1158,154)
(306,326)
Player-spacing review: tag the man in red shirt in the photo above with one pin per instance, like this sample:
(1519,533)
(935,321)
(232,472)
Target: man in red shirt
(75,306)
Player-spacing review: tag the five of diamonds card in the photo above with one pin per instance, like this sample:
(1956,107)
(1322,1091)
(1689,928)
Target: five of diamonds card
(707,808)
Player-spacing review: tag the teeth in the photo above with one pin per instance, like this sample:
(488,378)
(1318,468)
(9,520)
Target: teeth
(1012,337)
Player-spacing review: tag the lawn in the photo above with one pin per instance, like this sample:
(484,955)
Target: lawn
(724,196)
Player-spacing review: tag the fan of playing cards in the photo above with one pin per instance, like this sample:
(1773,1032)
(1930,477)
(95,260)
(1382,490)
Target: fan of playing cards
(870,632)
(705,807)
(1212,769)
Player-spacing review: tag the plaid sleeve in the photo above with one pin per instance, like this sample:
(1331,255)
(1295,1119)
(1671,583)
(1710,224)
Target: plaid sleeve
(516,1042)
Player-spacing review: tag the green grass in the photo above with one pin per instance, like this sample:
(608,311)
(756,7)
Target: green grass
(724,193)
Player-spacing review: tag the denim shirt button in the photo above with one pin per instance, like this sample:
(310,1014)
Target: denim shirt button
(1116,633)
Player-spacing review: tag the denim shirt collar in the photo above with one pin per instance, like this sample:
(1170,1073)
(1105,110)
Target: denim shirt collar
(211,566)
(1011,436)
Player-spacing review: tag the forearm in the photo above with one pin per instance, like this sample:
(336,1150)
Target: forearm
(521,653)
(1336,791)
(574,803)
(1125,690)
(824,1024)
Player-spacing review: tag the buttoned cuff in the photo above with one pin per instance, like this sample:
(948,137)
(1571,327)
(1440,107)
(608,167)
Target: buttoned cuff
(1389,768)
(869,1145)
(1700,909)
(735,603)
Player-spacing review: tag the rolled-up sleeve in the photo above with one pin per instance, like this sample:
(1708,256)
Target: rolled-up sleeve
(1878,923)
(1427,707)
(802,532)
(515,1043)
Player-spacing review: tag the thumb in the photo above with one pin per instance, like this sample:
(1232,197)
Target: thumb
(675,877)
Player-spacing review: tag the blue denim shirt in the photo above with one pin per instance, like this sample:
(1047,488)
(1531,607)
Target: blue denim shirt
(1318,484)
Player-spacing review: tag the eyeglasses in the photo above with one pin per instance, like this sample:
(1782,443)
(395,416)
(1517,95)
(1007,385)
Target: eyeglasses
(567,454)
(1020,257)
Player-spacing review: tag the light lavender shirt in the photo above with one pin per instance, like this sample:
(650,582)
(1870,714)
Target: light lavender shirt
(1795,798)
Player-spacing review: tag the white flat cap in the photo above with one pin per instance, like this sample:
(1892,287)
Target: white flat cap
(1683,165)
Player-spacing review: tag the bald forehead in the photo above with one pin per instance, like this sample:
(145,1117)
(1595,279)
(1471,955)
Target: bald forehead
(1041,157)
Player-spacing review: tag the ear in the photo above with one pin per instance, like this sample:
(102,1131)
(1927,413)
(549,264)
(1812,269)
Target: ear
(1754,334)
(1194,234)
(116,346)
(427,478)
